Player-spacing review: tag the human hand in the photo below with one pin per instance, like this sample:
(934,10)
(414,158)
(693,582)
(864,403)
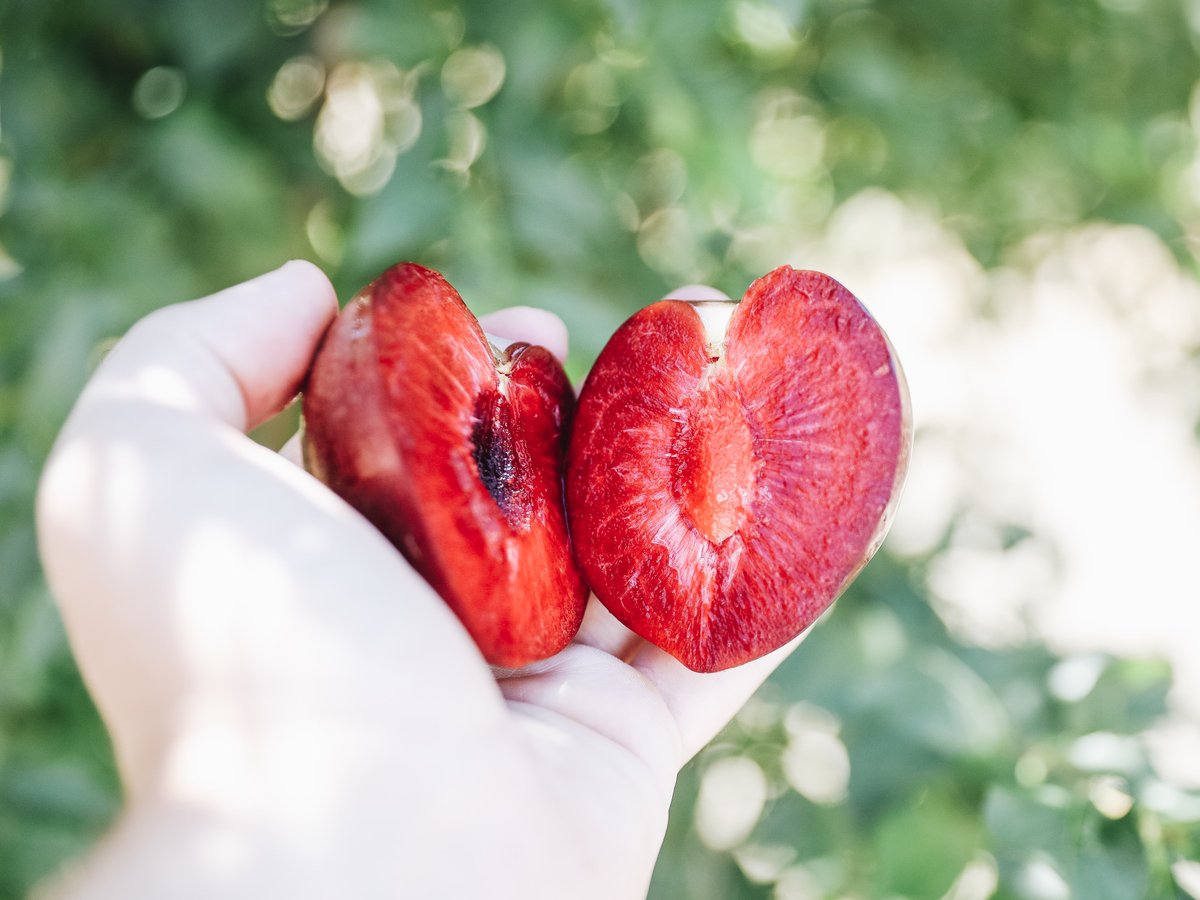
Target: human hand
(294,712)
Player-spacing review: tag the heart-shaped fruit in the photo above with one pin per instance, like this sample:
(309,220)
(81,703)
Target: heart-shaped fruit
(454,450)
(733,466)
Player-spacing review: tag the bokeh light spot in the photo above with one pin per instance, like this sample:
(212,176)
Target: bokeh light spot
(9,267)
(733,792)
(817,766)
(667,243)
(467,137)
(369,117)
(473,75)
(296,87)
(324,232)
(1073,679)
(293,16)
(159,92)
(764,29)
(978,880)
(787,141)
(1038,879)
(1103,751)
(658,179)
(591,97)
(1110,795)
(763,863)
(6,172)
(1187,876)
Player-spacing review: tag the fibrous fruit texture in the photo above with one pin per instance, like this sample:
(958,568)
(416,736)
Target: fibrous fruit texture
(454,449)
(733,466)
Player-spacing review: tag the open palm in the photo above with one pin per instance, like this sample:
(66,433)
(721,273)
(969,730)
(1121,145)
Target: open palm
(294,711)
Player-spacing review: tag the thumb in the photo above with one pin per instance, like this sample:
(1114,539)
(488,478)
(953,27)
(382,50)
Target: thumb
(208,585)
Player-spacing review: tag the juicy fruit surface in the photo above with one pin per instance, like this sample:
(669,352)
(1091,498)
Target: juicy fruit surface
(456,454)
(714,473)
(722,496)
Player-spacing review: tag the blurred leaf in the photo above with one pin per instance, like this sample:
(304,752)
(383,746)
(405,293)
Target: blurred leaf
(1129,696)
(1026,832)
(921,849)
(1095,857)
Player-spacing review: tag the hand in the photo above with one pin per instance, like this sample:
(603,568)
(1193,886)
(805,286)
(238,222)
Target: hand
(294,712)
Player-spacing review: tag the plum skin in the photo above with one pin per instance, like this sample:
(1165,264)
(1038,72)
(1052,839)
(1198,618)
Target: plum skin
(455,451)
(720,491)
(724,489)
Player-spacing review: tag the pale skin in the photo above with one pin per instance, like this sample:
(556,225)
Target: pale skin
(294,712)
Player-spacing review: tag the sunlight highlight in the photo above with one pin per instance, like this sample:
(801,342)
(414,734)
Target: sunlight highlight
(369,117)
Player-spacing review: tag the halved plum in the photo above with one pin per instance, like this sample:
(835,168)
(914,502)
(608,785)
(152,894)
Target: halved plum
(454,449)
(733,466)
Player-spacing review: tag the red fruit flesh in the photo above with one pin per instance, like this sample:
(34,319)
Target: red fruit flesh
(723,489)
(713,478)
(455,452)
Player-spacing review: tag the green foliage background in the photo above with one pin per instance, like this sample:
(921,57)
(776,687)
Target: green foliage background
(141,163)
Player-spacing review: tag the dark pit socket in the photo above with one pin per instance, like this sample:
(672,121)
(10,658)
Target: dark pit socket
(501,458)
